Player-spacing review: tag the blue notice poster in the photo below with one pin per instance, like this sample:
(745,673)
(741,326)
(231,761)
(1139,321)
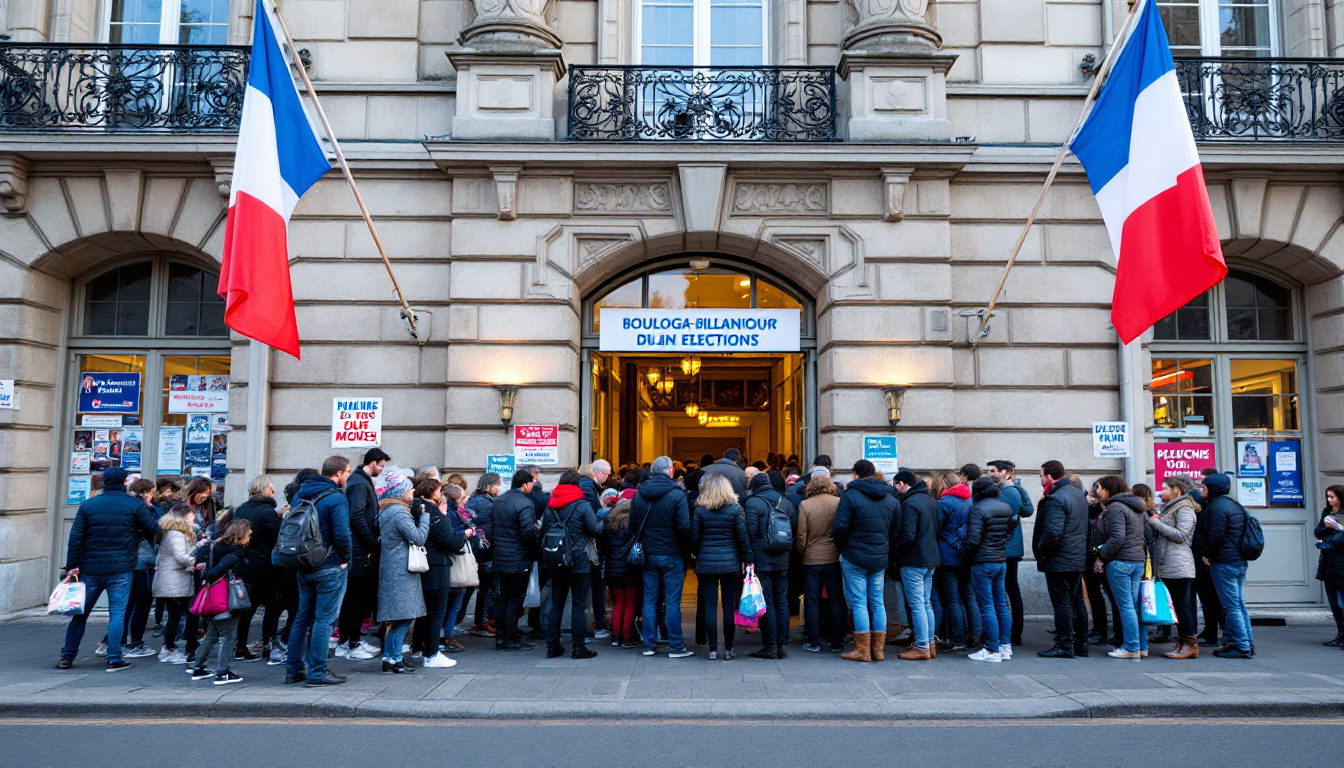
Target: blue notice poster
(1285,476)
(109,393)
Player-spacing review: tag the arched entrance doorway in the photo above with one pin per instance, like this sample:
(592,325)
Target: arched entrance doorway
(678,391)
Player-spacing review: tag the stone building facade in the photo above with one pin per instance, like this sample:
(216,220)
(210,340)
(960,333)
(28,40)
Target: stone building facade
(505,222)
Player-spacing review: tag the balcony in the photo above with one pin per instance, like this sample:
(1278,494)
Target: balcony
(77,88)
(1263,100)
(783,104)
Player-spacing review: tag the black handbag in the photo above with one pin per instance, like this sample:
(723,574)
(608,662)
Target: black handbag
(635,557)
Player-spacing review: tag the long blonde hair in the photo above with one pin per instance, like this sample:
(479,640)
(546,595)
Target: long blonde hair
(715,492)
(182,525)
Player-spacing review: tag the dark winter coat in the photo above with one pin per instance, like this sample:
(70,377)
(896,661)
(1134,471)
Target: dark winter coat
(592,492)
(737,477)
(1331,560)
(759,508)
(362,500)
(479,508)
(719,537)
(1125,525)
(953,508)
(1227,523)
(333,517)
(260,512)
(1017,498)
(917,540)
(447,536)
(105,538)
(668,530)
(618,571)
(226,558)
(581,525)
(1059,540)
(512,532)
(865,524)
(989,525)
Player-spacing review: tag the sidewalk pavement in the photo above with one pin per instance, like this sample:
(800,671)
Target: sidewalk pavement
(1292,675)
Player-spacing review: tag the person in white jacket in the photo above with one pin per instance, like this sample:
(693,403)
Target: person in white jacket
(173,578)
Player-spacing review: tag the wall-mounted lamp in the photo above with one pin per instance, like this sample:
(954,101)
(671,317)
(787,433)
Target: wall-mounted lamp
(895,397)
(692,409)
(507,396)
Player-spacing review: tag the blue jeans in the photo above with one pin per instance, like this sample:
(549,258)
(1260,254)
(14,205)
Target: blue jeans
(918,583)
(118,588)
(395,639)
(991,595)
(863,590)
(457,600)
(1126,578)
(1229,579)
(663,579)
(320,594)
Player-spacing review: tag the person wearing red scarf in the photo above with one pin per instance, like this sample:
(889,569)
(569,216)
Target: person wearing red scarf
(567,527)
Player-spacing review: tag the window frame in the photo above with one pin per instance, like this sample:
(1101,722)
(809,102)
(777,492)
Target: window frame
(1210,37)
(1219,341)
(170,23)
(156,334)
(701,34)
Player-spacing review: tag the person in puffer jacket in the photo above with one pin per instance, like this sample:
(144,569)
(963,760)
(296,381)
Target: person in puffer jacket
(989,526)
(1221,551)
(720,541)
(569,509)
(1124,552)
(772,568)
(952,580)
(865,531)
(221,558)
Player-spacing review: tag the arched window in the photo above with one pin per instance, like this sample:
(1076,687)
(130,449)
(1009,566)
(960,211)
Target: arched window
(682,288)
(154,298)
(1245,307)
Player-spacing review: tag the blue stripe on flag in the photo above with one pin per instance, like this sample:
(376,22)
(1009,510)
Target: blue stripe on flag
(302,161)
(1102,144)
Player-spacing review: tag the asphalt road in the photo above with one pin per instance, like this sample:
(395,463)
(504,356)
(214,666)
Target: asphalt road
(324,743)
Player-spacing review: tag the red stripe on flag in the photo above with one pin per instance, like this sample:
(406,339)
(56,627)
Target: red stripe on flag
(1170,254)
(254,276)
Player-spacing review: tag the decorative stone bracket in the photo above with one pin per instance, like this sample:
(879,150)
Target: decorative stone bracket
(894,183)
(506,191)
(13,182)
(223,166)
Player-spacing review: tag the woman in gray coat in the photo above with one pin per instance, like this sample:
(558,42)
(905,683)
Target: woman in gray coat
(400,599)
(1174,561)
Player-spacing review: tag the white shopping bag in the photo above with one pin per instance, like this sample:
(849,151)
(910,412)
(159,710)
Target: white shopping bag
(533,597)
(68,598)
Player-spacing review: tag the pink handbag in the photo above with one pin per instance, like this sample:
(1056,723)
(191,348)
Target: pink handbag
(212,600)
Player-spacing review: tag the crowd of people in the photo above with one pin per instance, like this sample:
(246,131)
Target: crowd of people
(379,562)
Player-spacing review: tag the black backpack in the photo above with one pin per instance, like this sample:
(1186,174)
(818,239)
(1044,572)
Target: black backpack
(299,545)
(778,530)
(555,544)
(1252,538)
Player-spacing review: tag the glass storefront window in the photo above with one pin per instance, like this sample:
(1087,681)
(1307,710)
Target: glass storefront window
(770,297)
(116,303)
(1183,395)
(195,307)
(628,296)
(684,289)
(103,443)
(1189,323)
(1257,309)
(1264,395)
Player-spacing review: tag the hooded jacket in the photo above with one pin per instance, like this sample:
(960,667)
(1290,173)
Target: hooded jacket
(512,532)
(568,506)
(953,508)
(917,541)
(735,475)
(333,517)
(760,507)
(105,537)
(1227,523)
(447,535)
(619,537)
(175,561)
(260,512)
(989,524)
(1059,540)
(1172,556)
(362,502)
(865,524)
(667,532)
(719,537)
(1123,523)
(1017,498)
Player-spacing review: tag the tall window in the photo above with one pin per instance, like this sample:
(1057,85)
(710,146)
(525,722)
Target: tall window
(1221,27)
(1249,308)
(168,22)
(703,33)
(152,298)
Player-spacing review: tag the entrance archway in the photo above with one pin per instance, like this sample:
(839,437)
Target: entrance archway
(640,405)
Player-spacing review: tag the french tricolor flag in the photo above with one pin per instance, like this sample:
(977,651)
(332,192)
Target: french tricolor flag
(1139,153)
(278,158)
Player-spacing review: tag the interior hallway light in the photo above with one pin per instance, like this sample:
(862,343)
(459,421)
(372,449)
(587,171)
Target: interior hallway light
(703,418)
(665,386)
(653,375)
(507,396)
(895,397)
(692,409)
(690,366)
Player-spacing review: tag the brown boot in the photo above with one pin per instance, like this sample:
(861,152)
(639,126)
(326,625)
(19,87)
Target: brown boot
(933,648)
(879,646)
(915,654)
(1186,648)
(862,644)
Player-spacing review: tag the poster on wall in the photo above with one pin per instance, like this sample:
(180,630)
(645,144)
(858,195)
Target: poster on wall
(356,422)
(1285,472)
(170,450)
(1182,459)
(132,440)
(109,393)
(1110,439)
(219,422)
(79,462)
(1251,491)
(1251,458)
(501,464)
(198,429)
(199,394)
(79,489)
(83,440)
(8,400)
(95,421)
(537,444)
(196,459)
(881,451)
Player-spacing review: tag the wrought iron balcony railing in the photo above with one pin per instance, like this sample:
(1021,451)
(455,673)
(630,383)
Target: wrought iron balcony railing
(121,88)
(702,103)
(1247,99)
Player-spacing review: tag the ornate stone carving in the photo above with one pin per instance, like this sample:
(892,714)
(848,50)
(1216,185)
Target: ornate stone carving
(894,183)
(13,182)
(806,198)
(813,250)
(898,26)
(619,198)
(590,250)
(511,26)
(223,165)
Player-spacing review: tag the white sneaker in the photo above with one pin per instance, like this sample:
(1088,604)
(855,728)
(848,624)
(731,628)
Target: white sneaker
(164,653)
(439,661)
(343,651)
(984,655)
(362,653)
(277,658)
(602,634)
(369,647)
(405,649)
(137,652)
(101,650)
(176,657)
(1006,651)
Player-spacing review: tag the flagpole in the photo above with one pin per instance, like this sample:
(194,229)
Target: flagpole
(349,177)
(1105,69)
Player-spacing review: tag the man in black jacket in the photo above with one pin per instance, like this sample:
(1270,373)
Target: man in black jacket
(662,525)
(1060,545)
(104,540)
(989,525)
(728,467)
(598,475)
(916,554)
(263,581)
(361,594)
(512,531)
(772,568)
(1220,550)
(864,531)
(1210,605)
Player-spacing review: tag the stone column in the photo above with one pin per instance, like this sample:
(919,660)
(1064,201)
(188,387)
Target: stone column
(508,62)
(897,77)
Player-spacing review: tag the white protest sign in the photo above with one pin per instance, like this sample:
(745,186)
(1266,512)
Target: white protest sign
(8,401)
(538,445)
(1110,440)
(356,422)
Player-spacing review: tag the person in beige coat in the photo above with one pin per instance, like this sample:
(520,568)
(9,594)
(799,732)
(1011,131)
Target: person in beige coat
(821,562)
(1174,561)
(173,578)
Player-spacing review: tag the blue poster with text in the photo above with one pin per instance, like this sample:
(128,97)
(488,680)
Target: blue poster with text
(1285,476)
(109,393)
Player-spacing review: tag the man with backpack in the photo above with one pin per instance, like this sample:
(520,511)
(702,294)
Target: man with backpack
(321,580)
(361,594)
(770,524)
(567,527)
(1225,550)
